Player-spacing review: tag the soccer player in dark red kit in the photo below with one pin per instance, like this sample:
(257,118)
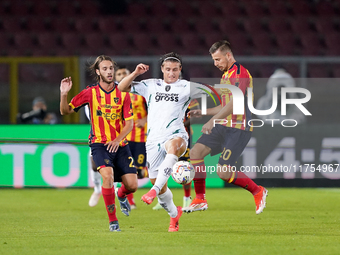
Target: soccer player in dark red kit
(229,136)
(111,120)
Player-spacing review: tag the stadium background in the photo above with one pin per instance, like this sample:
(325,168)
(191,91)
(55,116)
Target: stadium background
(43,41)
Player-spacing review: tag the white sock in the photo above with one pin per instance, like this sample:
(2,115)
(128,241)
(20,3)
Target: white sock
(164,172)
(165,200)
(97,181)
(115,184)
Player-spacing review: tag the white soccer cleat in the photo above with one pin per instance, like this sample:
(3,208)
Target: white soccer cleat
(196,205)
(94,199)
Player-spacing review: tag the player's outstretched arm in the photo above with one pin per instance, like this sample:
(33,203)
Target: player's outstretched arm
(197,113)
(125,84)
(221,114)
(65,87)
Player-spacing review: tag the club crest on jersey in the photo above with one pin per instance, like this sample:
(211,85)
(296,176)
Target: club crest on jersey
(167,88)
(116,100)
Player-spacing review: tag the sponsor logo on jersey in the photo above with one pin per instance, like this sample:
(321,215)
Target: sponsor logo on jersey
(166,97)
(108,115)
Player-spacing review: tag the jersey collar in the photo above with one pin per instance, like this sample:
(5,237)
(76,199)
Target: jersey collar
(108,92)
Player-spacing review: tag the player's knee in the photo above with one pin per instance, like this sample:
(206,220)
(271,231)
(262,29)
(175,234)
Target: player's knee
(176,146)
(132,186)
(107,177)
(196,152)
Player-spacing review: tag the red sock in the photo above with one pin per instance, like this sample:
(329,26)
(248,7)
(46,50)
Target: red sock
(122,191)
(200,176)
(130,198)
(187,189)
(109,199)
(242,180)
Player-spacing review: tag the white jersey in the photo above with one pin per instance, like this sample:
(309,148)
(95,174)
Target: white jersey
(166,104)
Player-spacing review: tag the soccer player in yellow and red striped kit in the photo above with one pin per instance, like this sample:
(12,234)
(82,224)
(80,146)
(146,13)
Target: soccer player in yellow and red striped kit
(229,137)
(111,120)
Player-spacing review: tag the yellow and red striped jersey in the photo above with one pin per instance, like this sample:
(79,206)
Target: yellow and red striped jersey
(194,104)
(238,76)
(139,111)
(108,110)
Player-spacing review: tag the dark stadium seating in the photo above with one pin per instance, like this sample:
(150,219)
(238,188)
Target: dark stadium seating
(192,43)
(86,25)
(179,25)
(332,41)
(95,42)
(107,24)
(287,44)
(208,10)
(24,40)
(211,38)
(36,24)
(61,24)
(71,41)
(205,26)
(89,8)
(155,25)
(12,24)
(167,41)
(311,45)
(263,27)
(137,10)
(277,8)
(263,44)
(318,71)
(278,25)
(255,9)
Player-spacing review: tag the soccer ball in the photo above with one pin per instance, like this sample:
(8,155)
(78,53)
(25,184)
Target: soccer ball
(183,172)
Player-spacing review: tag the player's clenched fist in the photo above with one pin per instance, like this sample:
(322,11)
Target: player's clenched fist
(141,68)
(65,85)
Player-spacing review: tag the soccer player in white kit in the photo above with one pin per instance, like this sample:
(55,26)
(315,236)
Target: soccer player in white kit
(167,100)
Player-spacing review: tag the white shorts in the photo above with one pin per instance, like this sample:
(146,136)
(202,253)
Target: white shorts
(155,153)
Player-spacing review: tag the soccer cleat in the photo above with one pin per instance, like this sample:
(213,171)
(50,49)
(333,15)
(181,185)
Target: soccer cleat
(174,226)
(149,197)
(157,207)
(124,204)
(260,200)
(186,201)
(196,205)
(94,199)
(114,226)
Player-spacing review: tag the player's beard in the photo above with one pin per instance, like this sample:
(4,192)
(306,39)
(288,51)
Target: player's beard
(104,79)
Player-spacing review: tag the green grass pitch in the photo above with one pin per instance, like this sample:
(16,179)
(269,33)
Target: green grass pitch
(59,221)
